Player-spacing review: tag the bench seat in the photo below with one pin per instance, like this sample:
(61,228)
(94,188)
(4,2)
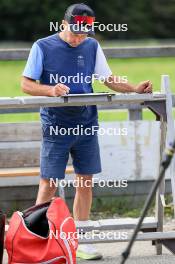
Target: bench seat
(28,171)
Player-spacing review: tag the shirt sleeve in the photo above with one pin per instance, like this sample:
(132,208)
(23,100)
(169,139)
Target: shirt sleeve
(34,65)
(101,66)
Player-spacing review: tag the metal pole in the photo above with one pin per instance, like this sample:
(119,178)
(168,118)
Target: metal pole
(164,165)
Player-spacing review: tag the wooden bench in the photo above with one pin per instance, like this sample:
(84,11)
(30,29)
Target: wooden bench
(33,171)
(20,150)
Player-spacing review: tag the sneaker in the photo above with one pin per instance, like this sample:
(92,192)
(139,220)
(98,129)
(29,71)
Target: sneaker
(88,252)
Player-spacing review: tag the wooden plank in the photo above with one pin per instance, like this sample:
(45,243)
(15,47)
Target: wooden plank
(140,52)
(16,172)
(19,154)
(127,155)
(19,110)
(32,171)
(161,189)
(14,54)
(14,132)
(82,99)
(135,114)
(100,107)
(10,102)
(117,224)
(170,130)
(125,237)
(124,52)
(89,99)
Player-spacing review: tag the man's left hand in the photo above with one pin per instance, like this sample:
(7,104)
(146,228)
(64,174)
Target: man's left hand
(144,87)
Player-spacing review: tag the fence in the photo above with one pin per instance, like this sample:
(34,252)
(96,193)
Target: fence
(135,111)
(127,52)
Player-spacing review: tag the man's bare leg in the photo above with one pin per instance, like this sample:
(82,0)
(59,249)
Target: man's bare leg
(81,212)
(83,197)
(46,191)
(82,200)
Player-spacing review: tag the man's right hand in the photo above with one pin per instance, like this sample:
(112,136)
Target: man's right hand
(59,90)
(33,88)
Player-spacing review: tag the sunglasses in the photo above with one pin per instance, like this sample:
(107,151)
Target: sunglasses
(83,19)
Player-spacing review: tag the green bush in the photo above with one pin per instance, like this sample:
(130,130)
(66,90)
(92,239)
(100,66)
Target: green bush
(29,20)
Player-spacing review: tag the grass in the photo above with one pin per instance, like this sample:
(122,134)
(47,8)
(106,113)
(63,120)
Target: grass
(136,70)
(128,206)
(103,43)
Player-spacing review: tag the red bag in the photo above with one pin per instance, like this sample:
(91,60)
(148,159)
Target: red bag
(42,234)
(2,231)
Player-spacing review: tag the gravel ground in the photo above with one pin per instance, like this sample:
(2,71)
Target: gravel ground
(142,252)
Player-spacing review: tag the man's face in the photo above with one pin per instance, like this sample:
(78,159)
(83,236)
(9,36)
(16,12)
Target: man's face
(71,38)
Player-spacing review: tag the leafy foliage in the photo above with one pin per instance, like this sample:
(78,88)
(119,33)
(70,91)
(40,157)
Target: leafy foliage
(29,20)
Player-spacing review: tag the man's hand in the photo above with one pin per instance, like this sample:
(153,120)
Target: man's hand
(33,88)
(59,90)
(125,87)
(144,87)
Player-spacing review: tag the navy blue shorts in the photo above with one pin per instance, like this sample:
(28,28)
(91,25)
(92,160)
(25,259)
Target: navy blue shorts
(55,149)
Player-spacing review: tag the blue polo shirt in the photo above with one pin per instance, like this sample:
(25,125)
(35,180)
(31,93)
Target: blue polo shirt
(53,61)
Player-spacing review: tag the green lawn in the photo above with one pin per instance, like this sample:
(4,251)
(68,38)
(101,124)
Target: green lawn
(136,70)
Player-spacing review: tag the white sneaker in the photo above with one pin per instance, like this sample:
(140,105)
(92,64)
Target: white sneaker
(88,252)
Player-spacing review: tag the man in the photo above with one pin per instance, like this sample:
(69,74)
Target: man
(67,53)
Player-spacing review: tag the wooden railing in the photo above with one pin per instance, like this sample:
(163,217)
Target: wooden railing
(135,111)
(126,52)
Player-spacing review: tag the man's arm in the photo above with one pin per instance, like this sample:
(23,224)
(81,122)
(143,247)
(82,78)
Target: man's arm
(31,87)
(33,71)
(114,83)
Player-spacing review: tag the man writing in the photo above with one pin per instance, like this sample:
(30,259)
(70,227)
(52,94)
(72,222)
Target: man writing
(67,53)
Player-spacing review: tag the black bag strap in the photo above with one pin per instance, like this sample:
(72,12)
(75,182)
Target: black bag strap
(34,208)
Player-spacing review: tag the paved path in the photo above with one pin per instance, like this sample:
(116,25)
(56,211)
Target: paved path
(142,253)
(136,260)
